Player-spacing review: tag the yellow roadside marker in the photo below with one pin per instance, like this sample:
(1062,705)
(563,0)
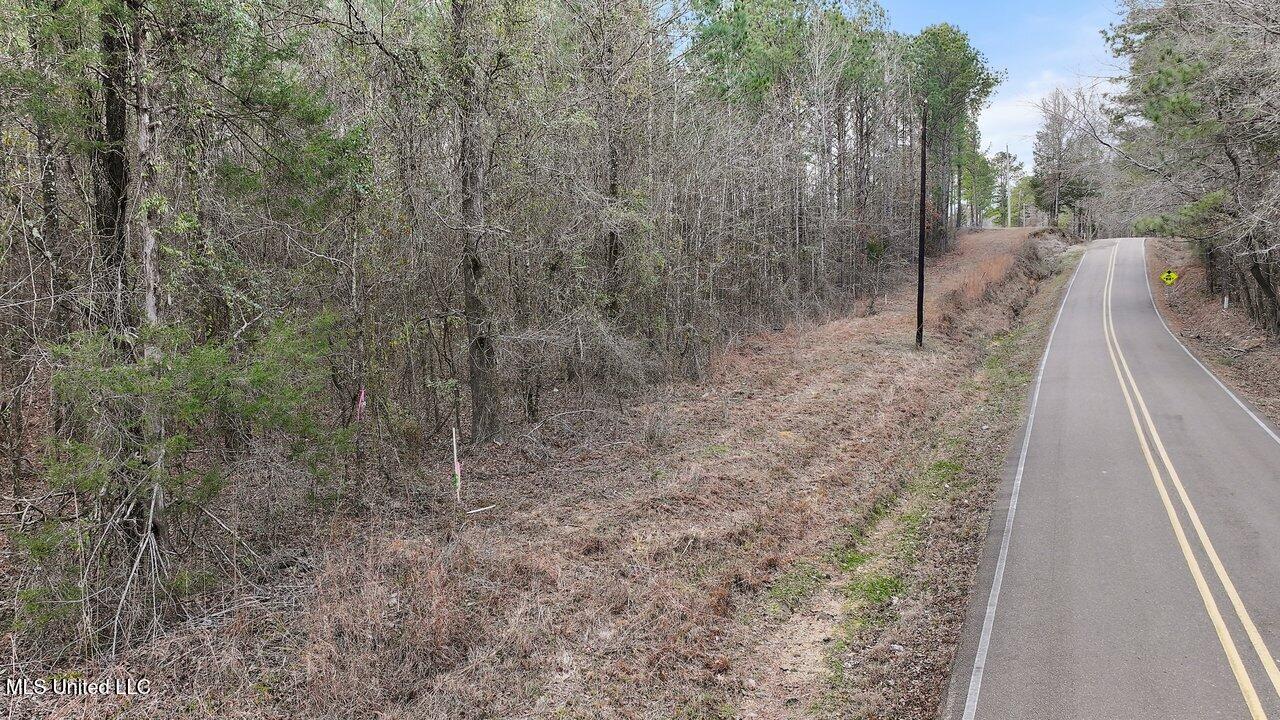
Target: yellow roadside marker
(1211,606)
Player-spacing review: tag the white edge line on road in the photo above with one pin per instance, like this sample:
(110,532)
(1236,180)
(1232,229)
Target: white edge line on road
(1265,428)
(984,640)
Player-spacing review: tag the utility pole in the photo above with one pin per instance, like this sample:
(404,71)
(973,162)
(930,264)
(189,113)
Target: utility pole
(924,125)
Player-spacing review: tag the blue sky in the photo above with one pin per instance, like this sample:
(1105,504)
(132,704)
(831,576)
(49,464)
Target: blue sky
(1039,43)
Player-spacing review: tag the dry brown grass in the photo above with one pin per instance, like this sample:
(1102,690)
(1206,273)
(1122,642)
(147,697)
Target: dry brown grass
(1004,279)
(621,571)
(387,615)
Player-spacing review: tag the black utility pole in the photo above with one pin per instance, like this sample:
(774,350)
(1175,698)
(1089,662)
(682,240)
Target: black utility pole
(924,125)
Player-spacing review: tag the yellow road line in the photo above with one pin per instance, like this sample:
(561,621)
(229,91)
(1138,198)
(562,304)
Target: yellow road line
(1255,638)
(1211,605)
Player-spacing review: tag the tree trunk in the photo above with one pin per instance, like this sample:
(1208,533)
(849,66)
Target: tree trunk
(842,152)
(482,360)
(924,134)
(52,244)
(145,226)
(1272,306)
(11,422)
(612,243)
(841,219)
(111,178)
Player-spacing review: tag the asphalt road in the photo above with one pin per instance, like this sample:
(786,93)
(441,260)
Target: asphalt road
(1132,569)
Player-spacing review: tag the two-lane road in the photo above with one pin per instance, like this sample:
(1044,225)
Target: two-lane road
(1132,569)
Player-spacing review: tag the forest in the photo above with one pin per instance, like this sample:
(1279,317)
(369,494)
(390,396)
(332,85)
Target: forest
(302,244)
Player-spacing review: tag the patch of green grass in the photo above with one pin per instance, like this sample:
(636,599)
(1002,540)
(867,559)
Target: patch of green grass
(854,534)
(703,571)
(849,559)
(725,711)
(876,588)
(945,474)
(1003,370)
(849,626)
(717,450)
(943,471)
(1000,347)
(907,536)
(847,556)
(185,583)
(794,586)
(874,516)
(835,661)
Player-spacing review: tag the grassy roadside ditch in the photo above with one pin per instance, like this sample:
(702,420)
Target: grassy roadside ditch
(901,574)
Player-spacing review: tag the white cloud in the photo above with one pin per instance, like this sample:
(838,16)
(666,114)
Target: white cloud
(1013,117)
(1074,56)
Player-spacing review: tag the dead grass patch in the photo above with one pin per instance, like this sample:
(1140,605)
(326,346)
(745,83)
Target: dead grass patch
(387,615)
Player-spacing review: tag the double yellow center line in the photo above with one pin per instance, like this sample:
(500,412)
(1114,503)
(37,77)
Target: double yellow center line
(1142,428)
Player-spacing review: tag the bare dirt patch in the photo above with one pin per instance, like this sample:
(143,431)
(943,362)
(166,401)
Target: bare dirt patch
(1224,338)
(634,562)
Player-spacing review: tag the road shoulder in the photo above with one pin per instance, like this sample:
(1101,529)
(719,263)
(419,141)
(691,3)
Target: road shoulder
(1223,339)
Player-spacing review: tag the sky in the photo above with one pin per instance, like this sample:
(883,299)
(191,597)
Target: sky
(1041,44)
